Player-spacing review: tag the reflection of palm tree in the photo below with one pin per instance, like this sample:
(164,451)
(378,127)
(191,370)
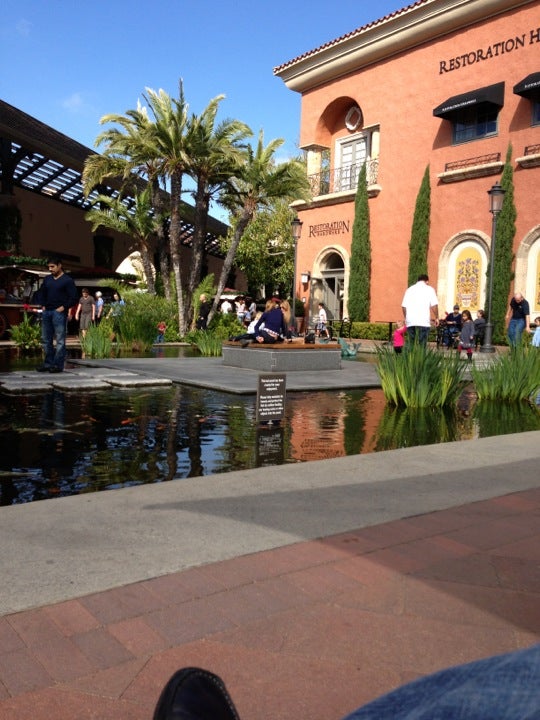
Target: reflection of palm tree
(172,429)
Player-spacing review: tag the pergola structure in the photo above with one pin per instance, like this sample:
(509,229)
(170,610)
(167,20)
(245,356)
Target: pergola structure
(39,159)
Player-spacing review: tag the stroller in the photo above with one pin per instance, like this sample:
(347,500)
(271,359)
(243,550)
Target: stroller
(447,336)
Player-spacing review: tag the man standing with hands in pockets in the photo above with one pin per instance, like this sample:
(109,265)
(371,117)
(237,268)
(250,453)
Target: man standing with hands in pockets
(57,295)
(420,306)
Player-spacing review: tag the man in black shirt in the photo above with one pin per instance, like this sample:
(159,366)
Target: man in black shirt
(454,323)
(56,296)
(517,319)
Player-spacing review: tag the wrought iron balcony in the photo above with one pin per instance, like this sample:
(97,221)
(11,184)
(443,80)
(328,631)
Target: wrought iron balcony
(475,167)
(531,157)
(342,179)
(472,162)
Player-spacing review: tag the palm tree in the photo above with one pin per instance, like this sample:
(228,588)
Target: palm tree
(139,222)
(260,181)
(164,143)
(128,158)
(215,156)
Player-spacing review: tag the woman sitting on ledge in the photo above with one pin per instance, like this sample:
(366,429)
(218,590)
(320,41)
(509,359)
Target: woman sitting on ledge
(275,328)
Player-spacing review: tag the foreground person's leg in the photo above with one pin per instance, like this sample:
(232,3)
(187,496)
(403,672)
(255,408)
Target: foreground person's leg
(504,687)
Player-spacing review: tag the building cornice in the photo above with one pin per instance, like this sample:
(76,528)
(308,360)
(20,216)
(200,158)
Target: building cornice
(419,23)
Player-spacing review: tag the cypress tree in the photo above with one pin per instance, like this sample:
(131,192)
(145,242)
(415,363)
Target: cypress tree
(504,255)
(419,242)
(360,262)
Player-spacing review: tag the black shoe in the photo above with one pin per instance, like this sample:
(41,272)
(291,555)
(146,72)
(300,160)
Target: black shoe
(55,370)
(245,343)
(195,694)
(43,368)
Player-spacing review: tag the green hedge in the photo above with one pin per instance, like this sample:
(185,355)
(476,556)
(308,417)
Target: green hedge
(378,331)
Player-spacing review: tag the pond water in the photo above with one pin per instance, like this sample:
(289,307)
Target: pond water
(57,444)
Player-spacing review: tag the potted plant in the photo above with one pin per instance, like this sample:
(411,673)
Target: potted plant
(299,313)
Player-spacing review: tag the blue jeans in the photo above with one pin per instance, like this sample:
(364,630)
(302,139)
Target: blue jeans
(515,330)
(53,328)
(504,687)
(418,334)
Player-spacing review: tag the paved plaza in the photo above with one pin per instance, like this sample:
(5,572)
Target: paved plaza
(311,587)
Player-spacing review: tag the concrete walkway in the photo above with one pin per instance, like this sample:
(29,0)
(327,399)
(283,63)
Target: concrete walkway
(311,588)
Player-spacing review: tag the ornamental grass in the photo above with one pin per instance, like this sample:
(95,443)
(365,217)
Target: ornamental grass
(208,343)
(419,377)
(512,376)
(97,343)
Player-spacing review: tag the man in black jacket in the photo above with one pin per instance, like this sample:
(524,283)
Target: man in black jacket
(56,296)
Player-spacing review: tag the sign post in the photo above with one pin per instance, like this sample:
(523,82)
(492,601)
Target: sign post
(271,398)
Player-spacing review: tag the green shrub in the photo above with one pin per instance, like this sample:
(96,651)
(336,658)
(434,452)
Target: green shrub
(419,377)
(379,331)
(136,326)
(299,307)
(26,335)
(511,376)
(370,331)
(226,325)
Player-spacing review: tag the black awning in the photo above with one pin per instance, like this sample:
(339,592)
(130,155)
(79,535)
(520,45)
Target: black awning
(490,95)
(529,87)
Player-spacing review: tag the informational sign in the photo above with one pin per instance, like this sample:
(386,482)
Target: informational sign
(271,398)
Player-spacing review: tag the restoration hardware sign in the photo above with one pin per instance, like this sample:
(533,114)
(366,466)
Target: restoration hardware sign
(491,51)
(338,227)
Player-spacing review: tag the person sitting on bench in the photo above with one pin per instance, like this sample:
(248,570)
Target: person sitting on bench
(275,328)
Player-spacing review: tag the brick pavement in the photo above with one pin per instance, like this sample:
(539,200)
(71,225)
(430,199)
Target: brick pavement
(309,630)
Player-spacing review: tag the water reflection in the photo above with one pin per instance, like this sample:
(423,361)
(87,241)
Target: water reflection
(57,443)
(402,427)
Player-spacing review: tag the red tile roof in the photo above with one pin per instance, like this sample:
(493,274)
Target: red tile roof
(352,34)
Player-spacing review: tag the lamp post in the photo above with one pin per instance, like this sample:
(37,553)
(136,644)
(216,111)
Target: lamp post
(296,228)
(496,197)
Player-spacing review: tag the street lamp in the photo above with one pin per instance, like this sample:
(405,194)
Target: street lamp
(296,228)
(496,197)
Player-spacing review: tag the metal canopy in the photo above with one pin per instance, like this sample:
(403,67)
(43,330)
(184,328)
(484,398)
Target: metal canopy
(490,95)
(48,177)
(529,87)
(37,158)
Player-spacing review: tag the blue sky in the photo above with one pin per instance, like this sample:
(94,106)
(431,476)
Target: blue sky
(69,62)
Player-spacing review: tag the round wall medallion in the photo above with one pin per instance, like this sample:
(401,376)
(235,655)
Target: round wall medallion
(353,118)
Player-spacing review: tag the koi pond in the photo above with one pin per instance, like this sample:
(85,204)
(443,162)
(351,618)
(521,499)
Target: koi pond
(55,444)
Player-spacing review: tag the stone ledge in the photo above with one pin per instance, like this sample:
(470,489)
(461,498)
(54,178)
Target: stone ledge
(283,357)
(297,344)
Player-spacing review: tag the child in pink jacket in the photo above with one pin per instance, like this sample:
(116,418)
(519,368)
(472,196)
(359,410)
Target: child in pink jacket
(399,336)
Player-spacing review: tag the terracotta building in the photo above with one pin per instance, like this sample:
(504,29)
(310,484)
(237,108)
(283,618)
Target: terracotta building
(444,84)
